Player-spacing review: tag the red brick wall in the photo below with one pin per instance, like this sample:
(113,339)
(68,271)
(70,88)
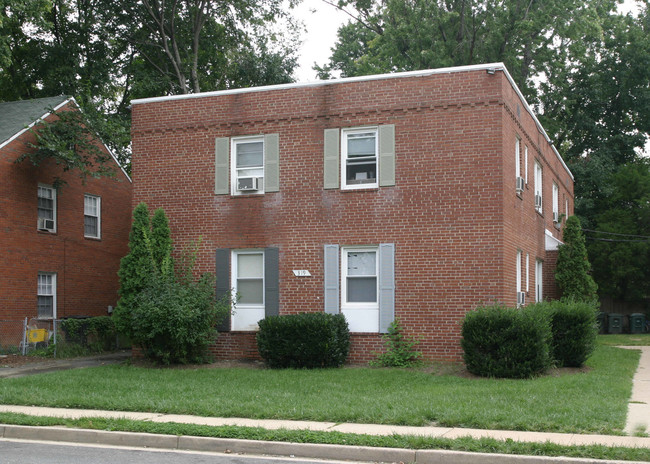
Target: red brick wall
(86,268)
(449,214)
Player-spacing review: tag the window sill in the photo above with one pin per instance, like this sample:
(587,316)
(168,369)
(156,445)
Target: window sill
(96,239)
(365,189)
(46,232)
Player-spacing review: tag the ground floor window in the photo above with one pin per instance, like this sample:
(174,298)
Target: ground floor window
(539,264)
(359,302)
(46,291)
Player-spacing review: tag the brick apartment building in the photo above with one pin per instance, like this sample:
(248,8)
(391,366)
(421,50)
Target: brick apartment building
(415,195)
(59,249)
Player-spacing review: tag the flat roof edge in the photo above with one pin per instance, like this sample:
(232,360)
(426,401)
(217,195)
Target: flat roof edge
(345,80)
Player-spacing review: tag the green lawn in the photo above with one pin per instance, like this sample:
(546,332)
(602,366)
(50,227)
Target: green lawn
(624,339)
(591,401)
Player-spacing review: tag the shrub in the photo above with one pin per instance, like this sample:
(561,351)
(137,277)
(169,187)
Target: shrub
(174,322)
(505,342)
(306,340)
(572,270)
(400,349)
(95,333)
(574,330)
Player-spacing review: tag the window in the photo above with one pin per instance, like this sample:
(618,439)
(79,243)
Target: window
(46,295)
(517,158)
(538,187)
(359,164)
(538,280)
(556,203)
(46,208)
(92,216)
(526,164)
(527,272)
(520,297)
(247,165)
(248,286)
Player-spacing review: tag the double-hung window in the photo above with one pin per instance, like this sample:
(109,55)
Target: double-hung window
(46,292)
(539,265)
(521,299)
(92,216)
(519,180)
(538,186)
(46,208)
(359,161)
(556,203)
(247,165)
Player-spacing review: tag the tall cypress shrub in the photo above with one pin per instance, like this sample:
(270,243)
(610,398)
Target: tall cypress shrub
(135,270)
(161,242)
(572,271)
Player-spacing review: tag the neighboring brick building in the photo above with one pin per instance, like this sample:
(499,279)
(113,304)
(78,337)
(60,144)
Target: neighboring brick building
(379,197)
(59,250)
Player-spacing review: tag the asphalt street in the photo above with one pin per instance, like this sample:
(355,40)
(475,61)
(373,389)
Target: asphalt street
(30,452)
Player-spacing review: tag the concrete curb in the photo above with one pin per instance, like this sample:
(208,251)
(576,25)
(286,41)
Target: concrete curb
(300,450)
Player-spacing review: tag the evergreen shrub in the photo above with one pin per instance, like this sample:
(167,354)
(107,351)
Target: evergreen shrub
(306,340)
(400,349)
(574,328)
(505,342)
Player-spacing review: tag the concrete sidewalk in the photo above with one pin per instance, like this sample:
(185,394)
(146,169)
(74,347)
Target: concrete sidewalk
(567,439)
(638,411)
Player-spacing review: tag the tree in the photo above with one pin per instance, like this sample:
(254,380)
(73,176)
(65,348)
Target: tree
(161,242)
(136,268)
(71,142)
(572,271)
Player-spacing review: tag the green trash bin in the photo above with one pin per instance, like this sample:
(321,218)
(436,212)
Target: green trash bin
(637,323)
(615,323)
(601,318)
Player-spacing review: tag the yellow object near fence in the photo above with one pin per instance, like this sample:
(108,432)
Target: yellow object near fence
(36,335)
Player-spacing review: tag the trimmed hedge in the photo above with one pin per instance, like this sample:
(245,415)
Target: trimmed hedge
(505,342)
(306,340)
(574,329)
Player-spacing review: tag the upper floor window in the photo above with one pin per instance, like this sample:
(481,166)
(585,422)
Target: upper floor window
(526,164)
(92,216)
(46,208)
(359,164)
(538,186)
(46,295)
(556,203)
(518,178)
(247,165)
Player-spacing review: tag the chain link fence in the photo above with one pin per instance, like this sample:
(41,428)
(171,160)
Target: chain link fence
(28,334)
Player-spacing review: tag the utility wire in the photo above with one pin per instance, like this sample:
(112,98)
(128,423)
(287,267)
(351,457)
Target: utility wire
(615,240)
(614,233)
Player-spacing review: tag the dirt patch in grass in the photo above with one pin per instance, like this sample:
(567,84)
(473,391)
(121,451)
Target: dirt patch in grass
(17,360)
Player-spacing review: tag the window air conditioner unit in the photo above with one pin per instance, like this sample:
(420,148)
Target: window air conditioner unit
(247,184)
(45,224)
(521,298)
(538,201)
(520,184)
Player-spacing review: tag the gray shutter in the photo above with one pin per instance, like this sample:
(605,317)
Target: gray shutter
(331,149)
(271,163)
(387,155)
(331,279)
(271,282)
(221,166)
(223,283)
(386,286)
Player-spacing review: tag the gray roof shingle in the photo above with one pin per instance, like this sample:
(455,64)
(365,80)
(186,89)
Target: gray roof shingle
(16,115)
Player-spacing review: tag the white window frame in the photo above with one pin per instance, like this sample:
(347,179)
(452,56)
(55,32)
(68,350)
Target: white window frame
(234,170)
(361,317)
(539,179)
(566,207)
(517,157)
(539,286)
(98,216)
(52,294)
(556,203)
(527,272)
(518,272)
(246,316)
(54,206)
(526,164)
(344,157)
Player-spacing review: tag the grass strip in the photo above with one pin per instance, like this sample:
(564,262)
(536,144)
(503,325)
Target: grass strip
(482,445)
(591,400)
(624,339)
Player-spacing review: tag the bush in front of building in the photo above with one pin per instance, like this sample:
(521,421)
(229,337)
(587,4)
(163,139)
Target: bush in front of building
(574,328)
(400,349)
(306,340)
(505,342)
